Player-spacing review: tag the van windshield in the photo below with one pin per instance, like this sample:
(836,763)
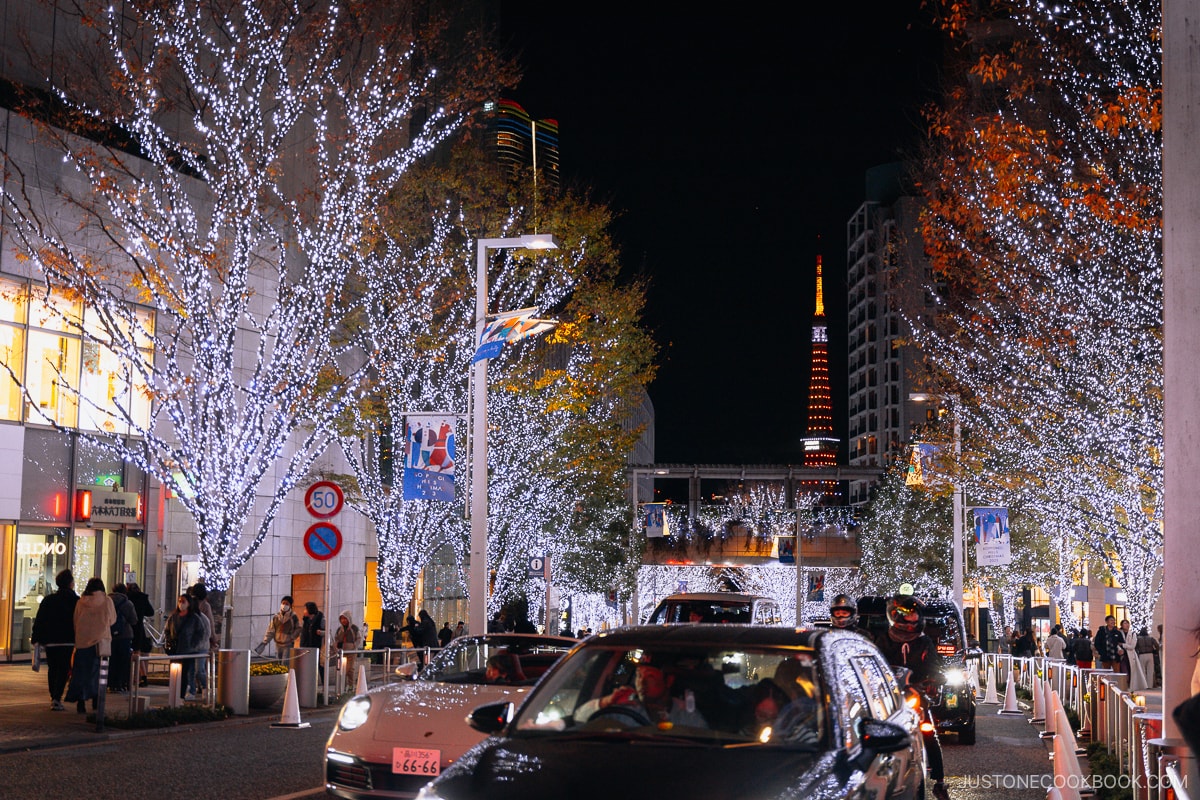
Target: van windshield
(704,612)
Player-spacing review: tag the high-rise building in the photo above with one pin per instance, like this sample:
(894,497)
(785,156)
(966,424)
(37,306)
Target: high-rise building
(521,142)
(820,445)
(884,259)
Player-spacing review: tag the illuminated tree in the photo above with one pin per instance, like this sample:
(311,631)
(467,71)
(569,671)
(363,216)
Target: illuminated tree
(1044,187)
(225,160)
(557,447)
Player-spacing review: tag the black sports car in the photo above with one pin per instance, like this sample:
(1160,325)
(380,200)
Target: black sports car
(731,711)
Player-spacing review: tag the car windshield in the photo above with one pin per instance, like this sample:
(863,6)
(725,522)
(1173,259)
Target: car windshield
(752,696)
(704,611)
(517,661)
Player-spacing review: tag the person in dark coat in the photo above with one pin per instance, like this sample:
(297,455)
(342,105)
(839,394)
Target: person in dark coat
(445,634)
(427,630)
(54,630)
(141,640)
(122,640)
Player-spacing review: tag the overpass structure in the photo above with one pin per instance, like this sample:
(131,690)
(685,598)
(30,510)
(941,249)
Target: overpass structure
(790,475)
(822,550)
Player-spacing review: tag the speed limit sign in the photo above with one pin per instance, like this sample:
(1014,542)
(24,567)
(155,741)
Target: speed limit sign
(323,499)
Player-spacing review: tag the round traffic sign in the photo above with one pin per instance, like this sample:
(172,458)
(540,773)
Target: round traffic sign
(323,499)
(322,541)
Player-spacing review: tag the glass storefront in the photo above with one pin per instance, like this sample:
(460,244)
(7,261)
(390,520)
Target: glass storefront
(41,553)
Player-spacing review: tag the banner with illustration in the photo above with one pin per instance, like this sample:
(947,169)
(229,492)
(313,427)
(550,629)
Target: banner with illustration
(509,327)
(654,516)
(787,549)
(991,537)
(429,457)
(922,469)
(816,587)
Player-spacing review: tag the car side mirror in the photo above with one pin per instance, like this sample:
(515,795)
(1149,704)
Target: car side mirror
(491,718)
(407,670)
(880,736)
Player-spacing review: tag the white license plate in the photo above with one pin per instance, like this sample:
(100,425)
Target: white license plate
(415,761)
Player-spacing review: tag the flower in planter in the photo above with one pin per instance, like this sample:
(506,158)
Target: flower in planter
(267,668)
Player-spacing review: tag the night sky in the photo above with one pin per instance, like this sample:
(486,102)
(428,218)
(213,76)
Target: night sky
(734,149)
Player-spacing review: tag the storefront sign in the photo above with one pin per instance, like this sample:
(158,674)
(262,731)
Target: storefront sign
(38,549)
(116,508)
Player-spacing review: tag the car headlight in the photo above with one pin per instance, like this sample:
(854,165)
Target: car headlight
(428,793)
(955,677)
(354,713)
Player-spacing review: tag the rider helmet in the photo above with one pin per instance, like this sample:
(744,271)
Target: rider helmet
(904,615)
(843,613)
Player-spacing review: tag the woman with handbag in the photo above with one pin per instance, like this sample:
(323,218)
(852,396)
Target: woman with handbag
(94,616)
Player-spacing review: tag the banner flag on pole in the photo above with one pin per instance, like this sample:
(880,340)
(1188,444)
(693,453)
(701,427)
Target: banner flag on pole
(992,543)
(816,587)
(654,516)
(429,457)
(786,547)
(509,327)
(922,469)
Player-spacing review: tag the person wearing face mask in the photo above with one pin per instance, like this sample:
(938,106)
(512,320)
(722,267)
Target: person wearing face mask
(284,629)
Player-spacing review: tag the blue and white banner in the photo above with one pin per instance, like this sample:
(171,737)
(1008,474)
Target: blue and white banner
(654,518)
(786,547)
(429,457)
(509,327)
(992,547)
(816,588)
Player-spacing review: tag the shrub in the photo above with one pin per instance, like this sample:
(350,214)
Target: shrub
(167,717)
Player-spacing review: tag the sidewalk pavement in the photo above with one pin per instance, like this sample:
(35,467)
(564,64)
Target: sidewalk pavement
(27,723)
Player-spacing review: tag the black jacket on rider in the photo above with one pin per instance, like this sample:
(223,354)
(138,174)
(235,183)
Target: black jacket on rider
(920,656)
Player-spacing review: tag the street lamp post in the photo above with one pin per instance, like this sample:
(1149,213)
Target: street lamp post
(957,505)
(478,570)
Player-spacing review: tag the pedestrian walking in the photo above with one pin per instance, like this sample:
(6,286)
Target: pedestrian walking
(199,593)
(347,639)
(1108,643)
(284,629)
(141,639)
(427,630)
(445,635)
(1082,650)
(119,666)
(54,631)
(94,616)
(312,634)
(1147,655)
(460,629)
(186,634)
(1055,645)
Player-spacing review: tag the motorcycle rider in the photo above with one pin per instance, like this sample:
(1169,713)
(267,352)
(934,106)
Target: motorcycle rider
(905,644)
(843,613)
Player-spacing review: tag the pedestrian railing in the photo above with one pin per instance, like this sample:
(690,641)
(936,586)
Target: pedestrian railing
(203,661)
(1126,722)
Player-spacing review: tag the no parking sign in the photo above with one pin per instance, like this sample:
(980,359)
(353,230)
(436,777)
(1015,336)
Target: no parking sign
(322,541)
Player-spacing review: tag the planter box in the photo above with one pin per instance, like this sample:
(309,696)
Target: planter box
(267,690)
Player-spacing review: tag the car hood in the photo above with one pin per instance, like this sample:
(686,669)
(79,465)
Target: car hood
(537,768)
(420,714)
